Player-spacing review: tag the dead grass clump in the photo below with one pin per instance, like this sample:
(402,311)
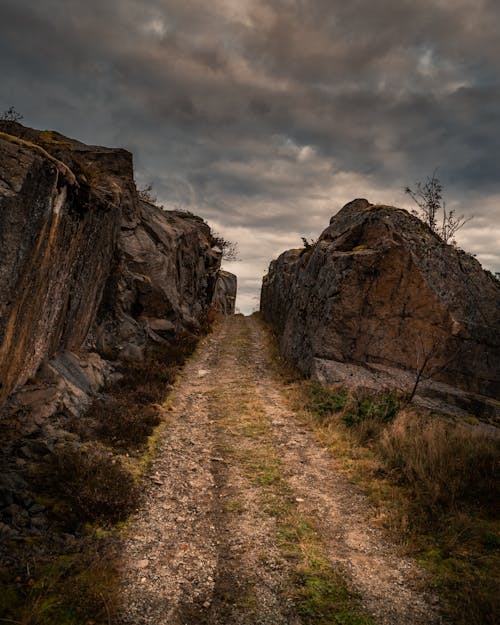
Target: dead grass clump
(443,463)
(123,422)
(93,482)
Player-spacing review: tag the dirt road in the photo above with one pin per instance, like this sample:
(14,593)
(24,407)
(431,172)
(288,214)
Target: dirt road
(246,520)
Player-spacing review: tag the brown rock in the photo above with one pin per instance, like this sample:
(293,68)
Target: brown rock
(380,290)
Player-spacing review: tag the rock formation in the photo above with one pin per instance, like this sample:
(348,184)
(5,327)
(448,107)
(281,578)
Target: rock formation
(225,293)
(89,273)
(378,296)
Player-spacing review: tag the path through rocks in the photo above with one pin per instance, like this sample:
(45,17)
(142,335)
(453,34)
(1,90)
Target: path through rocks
(239,496)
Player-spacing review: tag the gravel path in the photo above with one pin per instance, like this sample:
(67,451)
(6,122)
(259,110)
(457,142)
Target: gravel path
(204,548)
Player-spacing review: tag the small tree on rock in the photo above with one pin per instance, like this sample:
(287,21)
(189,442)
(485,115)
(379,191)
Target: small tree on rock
(229,249)
(428,197)
(11,115)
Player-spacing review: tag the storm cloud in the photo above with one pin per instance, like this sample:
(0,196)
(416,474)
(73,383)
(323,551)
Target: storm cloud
(265,117)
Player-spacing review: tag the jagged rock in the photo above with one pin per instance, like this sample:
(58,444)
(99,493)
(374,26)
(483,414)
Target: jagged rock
(225,293)
(57,241)
(379,290)
(89,273)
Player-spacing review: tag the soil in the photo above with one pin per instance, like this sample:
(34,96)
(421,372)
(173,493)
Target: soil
(205,547)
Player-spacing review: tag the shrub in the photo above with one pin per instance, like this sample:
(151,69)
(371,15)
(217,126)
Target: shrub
(94,483)
(123,422)
(11,115)
(325,402)
(380,407)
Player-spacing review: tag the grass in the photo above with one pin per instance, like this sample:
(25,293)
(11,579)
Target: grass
(76,586)
(434,483)
(320,593)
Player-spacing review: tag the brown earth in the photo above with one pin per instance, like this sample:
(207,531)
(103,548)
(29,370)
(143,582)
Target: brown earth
(241,499)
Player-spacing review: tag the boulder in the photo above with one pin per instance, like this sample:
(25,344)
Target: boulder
(225,293)
(378,296)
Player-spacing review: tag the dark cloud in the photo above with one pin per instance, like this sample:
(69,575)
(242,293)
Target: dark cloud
(266,116)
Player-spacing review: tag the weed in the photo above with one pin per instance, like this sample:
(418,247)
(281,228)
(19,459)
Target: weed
(234,505)
(322,598)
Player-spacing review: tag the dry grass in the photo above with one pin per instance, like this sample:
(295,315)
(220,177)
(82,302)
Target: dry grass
(445,464)
(434,484)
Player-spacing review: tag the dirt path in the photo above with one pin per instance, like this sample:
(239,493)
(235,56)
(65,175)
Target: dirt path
(246,521)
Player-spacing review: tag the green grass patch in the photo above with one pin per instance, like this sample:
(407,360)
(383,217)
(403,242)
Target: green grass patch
(382,407)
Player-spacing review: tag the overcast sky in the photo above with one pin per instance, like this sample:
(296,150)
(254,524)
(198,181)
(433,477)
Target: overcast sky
(266,116)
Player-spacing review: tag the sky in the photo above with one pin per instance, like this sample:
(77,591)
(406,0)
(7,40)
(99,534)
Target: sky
(265,117)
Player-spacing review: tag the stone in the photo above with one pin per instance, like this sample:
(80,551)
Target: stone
(379,290)
(90,273)
(225,293)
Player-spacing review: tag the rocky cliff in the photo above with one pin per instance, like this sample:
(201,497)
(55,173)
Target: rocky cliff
(378,297)
(89,273)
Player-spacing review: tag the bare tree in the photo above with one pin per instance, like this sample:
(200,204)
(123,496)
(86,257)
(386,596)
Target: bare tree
(428,197)
(11,115)
(429,361)
(423,357)
(229,249)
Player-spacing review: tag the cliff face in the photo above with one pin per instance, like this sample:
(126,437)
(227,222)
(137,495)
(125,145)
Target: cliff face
(379,293)
(87,270)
